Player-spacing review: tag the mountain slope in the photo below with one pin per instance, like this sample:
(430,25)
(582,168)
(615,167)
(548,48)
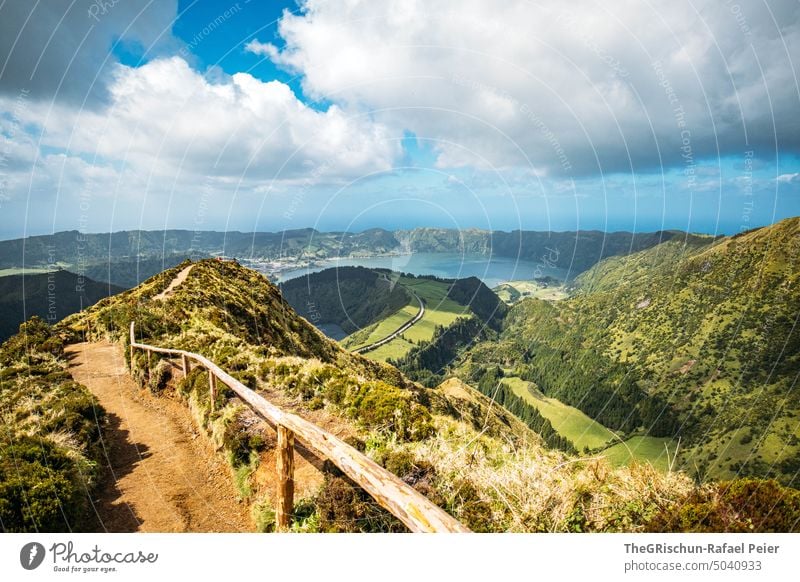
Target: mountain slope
(348,297)
(138,251)
(694,339)
(50,436)
(455,445)
(51,296)
(451,443)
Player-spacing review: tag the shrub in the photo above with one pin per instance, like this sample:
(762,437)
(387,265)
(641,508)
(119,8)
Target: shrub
(34,336)
(41,487)
(742,505)
(160,375)
(263,515)
(342,506)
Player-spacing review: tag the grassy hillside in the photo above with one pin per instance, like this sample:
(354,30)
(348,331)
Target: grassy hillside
(582,431)
(49,436)
(350,297)
(446,301)
(51,296)
(452,443)
(693,339)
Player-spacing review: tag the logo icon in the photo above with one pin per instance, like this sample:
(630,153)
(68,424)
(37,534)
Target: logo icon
(31,555)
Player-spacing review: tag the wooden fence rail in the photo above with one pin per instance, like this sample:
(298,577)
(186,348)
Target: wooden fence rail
(401,500)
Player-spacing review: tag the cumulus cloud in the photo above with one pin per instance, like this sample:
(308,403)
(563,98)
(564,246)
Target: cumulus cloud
(566,88)
(166,119)
(265,49)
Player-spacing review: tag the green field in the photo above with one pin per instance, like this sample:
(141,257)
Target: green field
(567,420)
(647,449)
(439,311)
(514,291)
(382,328)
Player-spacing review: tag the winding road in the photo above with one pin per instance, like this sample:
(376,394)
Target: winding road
(402,329)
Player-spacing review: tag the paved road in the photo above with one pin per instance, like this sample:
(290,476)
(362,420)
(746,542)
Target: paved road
(402,329)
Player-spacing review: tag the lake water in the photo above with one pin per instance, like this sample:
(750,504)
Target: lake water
(491,270)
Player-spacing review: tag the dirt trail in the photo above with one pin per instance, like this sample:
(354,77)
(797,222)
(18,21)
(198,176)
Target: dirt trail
(179,278)
(163,476)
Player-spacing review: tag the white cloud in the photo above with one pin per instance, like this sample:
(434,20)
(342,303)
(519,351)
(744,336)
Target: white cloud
(789,178)
(557,85)
(263,49)
(167,119)
(169,137)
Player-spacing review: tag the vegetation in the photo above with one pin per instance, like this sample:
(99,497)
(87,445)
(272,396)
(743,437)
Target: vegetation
(585,433)
(50,296)
(692,339)
(449,305)
(740,506)
(453,443)
(659,452)
(126,274)
(49,435)
(491,385)
(428,361)
(514,291)
(350,297)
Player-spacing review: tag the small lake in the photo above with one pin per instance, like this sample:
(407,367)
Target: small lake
(491,270)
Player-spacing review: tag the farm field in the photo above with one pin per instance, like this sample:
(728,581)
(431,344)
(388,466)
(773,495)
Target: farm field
(439,311)
(570,422)
(513,291)
(647,449)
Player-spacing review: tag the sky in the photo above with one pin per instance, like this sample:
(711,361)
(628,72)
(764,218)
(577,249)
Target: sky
(353,114)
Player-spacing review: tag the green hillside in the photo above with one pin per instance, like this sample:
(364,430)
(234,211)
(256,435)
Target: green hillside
(448,303)
(693,339)
(451,442)
(51,296)
(349,297)
(50,446)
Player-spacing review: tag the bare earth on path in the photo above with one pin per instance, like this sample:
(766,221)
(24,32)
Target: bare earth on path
(163,475)
(179,278)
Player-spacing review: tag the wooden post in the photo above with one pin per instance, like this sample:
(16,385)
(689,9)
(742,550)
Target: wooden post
(212,385)
(133,341)
(185,363)
(285,462)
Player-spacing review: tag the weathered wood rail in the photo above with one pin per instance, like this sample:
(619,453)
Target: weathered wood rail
(401,500)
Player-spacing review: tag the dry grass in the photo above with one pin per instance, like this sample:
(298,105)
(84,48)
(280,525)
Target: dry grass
(530,488)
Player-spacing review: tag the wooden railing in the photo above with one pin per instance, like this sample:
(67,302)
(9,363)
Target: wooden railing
(401,500)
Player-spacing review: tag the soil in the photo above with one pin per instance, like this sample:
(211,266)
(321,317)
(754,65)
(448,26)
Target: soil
(161,474)
(179,278)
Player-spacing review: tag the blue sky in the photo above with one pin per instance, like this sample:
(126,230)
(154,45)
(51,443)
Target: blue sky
(351,115)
